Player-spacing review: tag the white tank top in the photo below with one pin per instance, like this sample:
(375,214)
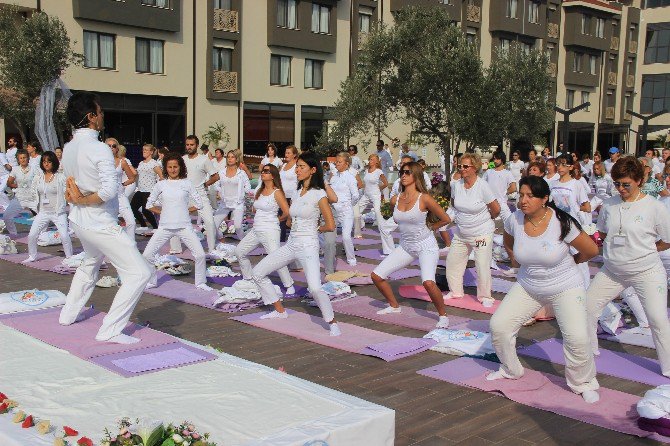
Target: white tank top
(230,189)
(289,182)
(371,181)
(267,208)
(412,224)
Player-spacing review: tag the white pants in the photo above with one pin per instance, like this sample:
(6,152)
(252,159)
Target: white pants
(129,190)
(357,221)
(376,201)
(652,288)
(518,306)
(238,216)
(426,251)
(133,270)
(127,214)
(40,223)
(270,241)
(344,215)
(13,210)
(457,261)
(207,215)
(192,242)
(212,193)
(306,252)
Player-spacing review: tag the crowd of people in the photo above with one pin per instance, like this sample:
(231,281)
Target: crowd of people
(544,209)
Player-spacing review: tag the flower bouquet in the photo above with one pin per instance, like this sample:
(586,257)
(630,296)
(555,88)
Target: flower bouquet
(154,433)
(436,178)
(386,209)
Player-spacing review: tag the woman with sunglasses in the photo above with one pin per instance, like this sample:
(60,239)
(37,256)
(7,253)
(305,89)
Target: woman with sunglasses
(270,199)
(650,185)
(310,204)
(233,185)
(635,227)
(417,215)
(475,207)
(122,167)
(538,238)
(375,182)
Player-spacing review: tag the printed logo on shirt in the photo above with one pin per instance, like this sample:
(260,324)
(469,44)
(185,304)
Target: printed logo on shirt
(638,219)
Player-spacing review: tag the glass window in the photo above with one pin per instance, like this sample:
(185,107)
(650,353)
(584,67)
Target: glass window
(99,50)
(222,59)
(280,70)
(593,64)
(577,63)
(512,9)
(287,14)
(268,122)
(148,55)
(364,23)
(534,12)
(223,4)
(657,3)
(569,99)
(586,24)
(585,98)
(600,28)
(313,73)
(657,45)
(504,45)
(655,93)
(157,3)
(471,35)
(320,19)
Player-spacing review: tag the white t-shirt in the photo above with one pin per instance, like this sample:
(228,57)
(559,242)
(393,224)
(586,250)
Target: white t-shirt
(146,175)
(547,268)
(305,214)
(199,169)
(277,162)
(499,181)
(35,161)
(471,206)
(641,223)
(551,179)
(516,168)
(175,196)
(219,165)
(587,168)
(608,165)
(395,190)
(289,182)
(371,181)
(11,156)
(603,186)
(356,163)
(569,196)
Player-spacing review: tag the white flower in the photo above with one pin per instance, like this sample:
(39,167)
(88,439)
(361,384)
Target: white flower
(177,438)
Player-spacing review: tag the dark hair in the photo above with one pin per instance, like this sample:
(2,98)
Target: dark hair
(36,144)
(193,138)
(380,141)
(540,189)
(163,150)
(272,146)
(586,155)
(276,179)
(316,182)
(51,156)
(407,156)
(56,148)
(499,155)
(516,152)
(176,157)
(539,164)
(79,106)
(353,148)
(533,150)
(566,157)
(219,150)
(628,166)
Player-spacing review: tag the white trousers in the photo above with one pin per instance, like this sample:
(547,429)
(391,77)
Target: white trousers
(40,223)
(357,221)
(12,211)
(270,241)
(306,252)
(238,216)
(129,190)
(457,261)
(652,289)
(569,306)
(192,242)
(206,213)
(133,270)
(376,202)
(344,215)
(426,251)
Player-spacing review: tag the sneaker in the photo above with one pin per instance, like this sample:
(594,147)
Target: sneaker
(443,322)
(487,302)
(352,262)
(335,329)
(390,310)
(141,230)
(275,315)
(28,260)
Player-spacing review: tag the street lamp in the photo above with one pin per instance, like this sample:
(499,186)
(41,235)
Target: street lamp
(645,126)
(566,121)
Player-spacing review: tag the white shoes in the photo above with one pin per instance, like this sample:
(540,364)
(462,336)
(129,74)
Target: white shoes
(290,291)
(28,260)
(335,329)
(390,310)
(443,322)
(204,287)
(487,302)
(275,315)
(591,396)
(352,262)
(450,295)
(498,374)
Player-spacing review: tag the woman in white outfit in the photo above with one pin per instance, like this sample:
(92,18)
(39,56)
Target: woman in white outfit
(289,182)
(601,182)
(122,167)
(233,185)
(344,184)
(635,227)
(265,231)
(271,157)
(310,204)
(538,238)
(34,149)
(417,215)
(20,179)
(129,188)
(375,182)
(175,194)
(516,166)
(50,186)
(219,162)
(149,172)
(552,171)
(475,207)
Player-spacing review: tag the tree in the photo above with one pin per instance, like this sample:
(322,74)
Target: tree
(34,50)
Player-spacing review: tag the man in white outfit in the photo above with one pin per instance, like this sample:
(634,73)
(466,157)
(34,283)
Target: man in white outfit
(12,148)
(92,191)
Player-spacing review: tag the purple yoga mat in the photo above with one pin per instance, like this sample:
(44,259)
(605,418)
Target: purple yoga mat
(362,241)
(398,348)
(620,365)
(370,254)
(615,410)
(353,339)
(229,281)
(152,359)
(79,338)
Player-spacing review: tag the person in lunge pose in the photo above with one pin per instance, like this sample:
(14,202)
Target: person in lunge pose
(289,181)
(175,194)
(20,179)
(233,185)
(303,243)
(92,189)
(417,215)
(149,172)
(538,238)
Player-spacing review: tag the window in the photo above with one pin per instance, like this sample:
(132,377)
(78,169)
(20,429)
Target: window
(626,106)
(287,14)
(657,46)
(600,28)
(549,52)
(630,69)
(655,93)
(223,4)
(222,59)
(569,99)
(511,8)
(593,64)
(280,70)
(364,22)
(577,63)
(526,47)
(267,122)
(585,98)
(534,12)
(632,33)
(148,55)
(313,73)
(99,50)
(157,3)
(586,24)
(504,45)
(657,3)
(320,19)
(471,35)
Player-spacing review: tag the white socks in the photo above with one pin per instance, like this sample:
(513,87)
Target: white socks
(335,329)
(290,291)
(590,396)
(121,339)
(390,310)
(498,374)
(275,315)
(204,287)
(443,322)
(487,302)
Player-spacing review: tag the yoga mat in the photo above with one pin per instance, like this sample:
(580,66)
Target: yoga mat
(624,337)
(615,410)
(366,268)
(43,262)
(229,281)
(370,254)
(467,302)
(152,359)
(354,339)
(620,365)
(362,241)
(79,338)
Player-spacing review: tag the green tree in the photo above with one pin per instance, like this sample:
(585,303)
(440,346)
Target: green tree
(34,50)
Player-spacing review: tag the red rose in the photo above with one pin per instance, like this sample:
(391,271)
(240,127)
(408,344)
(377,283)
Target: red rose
(3,408)
(2,396)
(69,432)
(84,441)
(28,422)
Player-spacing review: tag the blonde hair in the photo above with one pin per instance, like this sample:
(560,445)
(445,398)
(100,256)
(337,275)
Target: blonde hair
(379,162)
(237,154)
(151,146)
(122,151)
(294,150)
(475,159)
(345,156)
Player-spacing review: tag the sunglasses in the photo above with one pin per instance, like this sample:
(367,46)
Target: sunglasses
(113,146)
(405,172)
(265,171)
(463,166)
(619,184)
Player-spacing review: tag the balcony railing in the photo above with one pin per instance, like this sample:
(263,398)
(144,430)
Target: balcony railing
(225,81)
(362,39)
(614,44)
(226,20)
(552,69)
(632,48)
(552,30)
(473,14)
(609,113)
(611,78)
(630,81)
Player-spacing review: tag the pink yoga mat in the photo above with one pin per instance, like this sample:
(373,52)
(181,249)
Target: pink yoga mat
(467,302)
(354,339)
(79,338)
(621,365)
(615,410)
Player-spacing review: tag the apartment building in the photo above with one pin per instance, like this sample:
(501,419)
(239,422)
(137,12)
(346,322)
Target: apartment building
(270,69)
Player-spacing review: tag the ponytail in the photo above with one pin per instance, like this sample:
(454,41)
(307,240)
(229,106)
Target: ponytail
(566,220)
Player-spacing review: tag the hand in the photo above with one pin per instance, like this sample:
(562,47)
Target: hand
(72,193)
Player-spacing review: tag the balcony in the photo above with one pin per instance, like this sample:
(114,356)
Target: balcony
(473,14)
(362,39)
(609,113)
(611,78)
(552,30)
(614,45)
(226,20)
(552,69)
(630,81)
(632,48)
(225,81)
